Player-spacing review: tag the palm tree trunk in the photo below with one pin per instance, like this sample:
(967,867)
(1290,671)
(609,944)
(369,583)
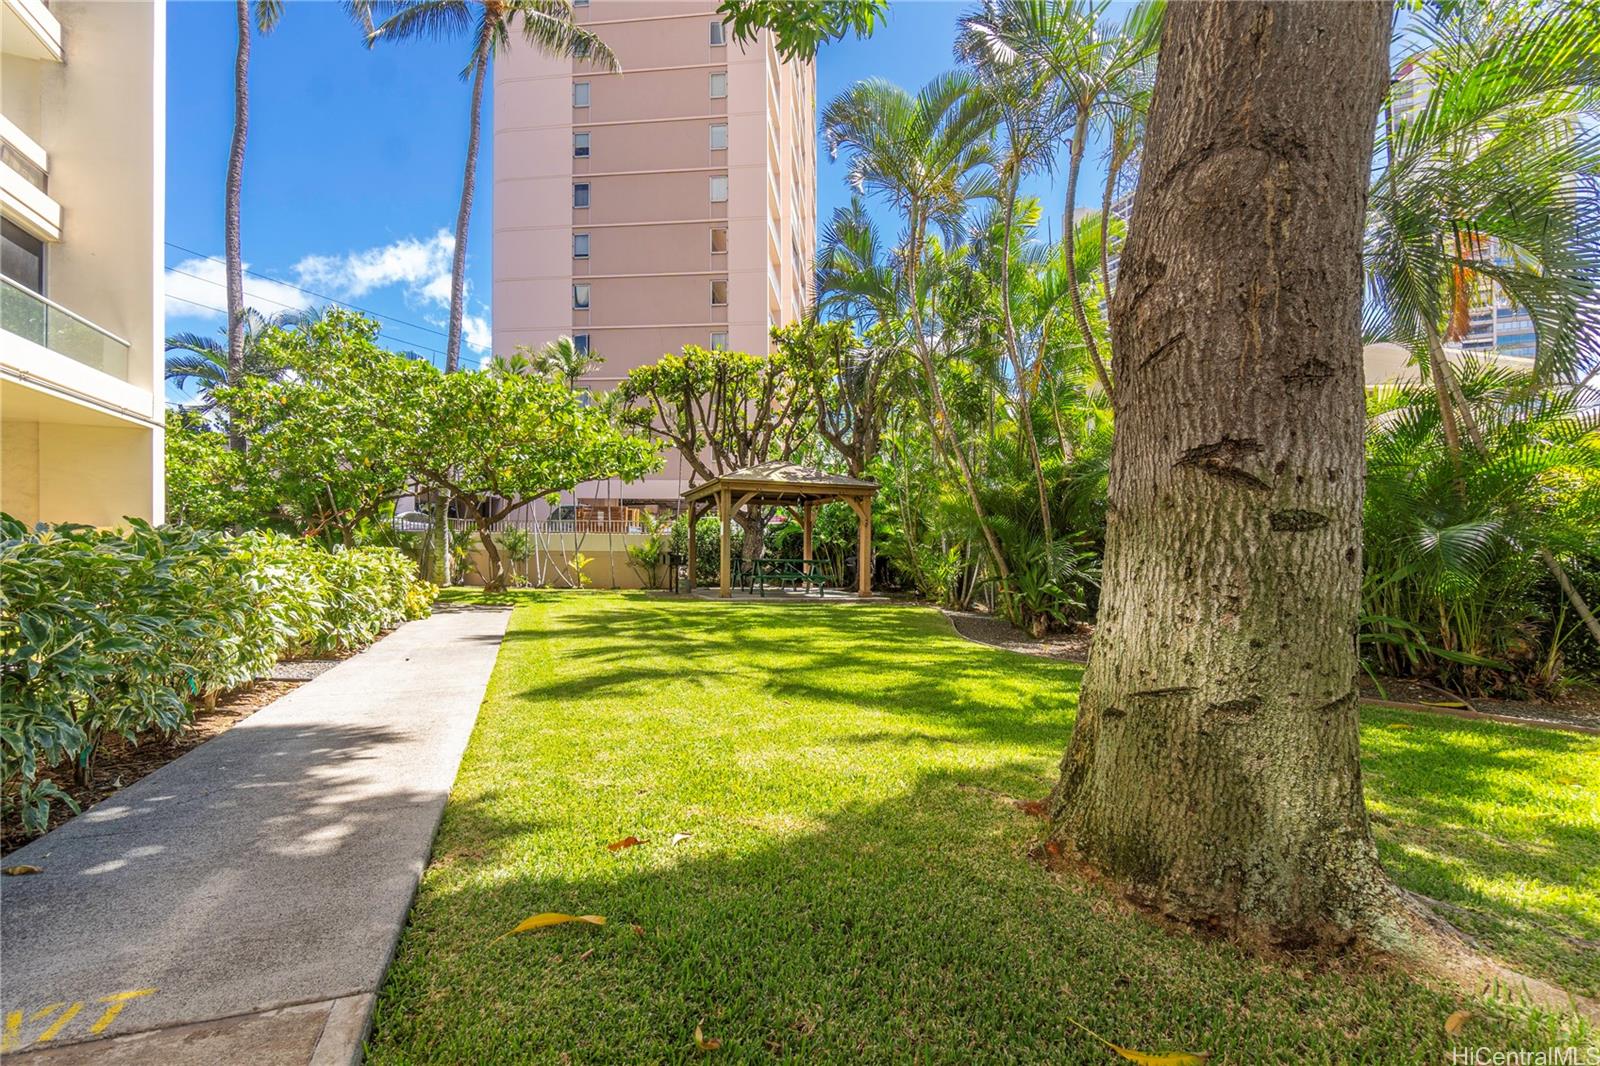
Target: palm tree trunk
(234,263)
(458,268)
(1105,226)
(1073,166)
(941,422)
(1025,402)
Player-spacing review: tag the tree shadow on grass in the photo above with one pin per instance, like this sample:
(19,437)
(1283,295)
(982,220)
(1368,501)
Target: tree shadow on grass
(915,929)
(1467,813)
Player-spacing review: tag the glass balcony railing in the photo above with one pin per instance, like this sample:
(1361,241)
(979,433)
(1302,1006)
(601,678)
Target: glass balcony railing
(49,325)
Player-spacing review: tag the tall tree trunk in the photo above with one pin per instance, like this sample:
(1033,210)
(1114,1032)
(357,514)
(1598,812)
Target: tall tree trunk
(1024,399)
(458,266)
(232,254)
(1214,768)
(1069,245)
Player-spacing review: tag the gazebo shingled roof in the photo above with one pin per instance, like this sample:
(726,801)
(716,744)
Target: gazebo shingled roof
(783,485)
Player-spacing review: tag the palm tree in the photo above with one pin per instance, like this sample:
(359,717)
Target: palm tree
(204,361)
(1486,187)
(929,155)
(558,360)
(547,25)
(264,14)
(1099,67)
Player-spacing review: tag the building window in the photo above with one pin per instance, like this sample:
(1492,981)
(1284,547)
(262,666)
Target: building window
(719,34)
(719,85)
(21,256)
(580,246)
(719,188)
(580,94)
(580,343)
(719,239)
(580,146)
(719,342)
(719,136)
(580,194)
(580,297)
(580,3)
(719,292)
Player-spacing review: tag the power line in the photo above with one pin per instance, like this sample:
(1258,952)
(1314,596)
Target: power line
(308,292)
(475,361)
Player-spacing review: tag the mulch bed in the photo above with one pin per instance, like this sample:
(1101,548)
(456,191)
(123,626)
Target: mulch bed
(1577,706)
(119,764)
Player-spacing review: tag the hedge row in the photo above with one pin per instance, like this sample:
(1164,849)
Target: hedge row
(124,632)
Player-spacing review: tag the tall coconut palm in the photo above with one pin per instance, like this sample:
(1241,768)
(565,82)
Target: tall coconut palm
(260,16)
(929,156)
(203,361)
(546,25)
(1489,183)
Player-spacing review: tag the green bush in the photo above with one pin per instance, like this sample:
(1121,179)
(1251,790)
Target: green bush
(120,633)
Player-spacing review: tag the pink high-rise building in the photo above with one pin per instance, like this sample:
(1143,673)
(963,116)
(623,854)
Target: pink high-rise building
(672,203)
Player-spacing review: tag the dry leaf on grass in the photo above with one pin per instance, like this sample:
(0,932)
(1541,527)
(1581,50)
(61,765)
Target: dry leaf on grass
(703,1042)
(679,838)
(1456,1021)
(544,921)
(1032,808)
(20,871)
(625,842)
(638,930)
(1144,1058)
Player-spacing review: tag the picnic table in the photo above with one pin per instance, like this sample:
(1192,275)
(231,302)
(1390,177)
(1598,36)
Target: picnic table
(804,573)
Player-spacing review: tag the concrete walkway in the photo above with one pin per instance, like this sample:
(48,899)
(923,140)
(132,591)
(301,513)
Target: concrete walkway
(241,903)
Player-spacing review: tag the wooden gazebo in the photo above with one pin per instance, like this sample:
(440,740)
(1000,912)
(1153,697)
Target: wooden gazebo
(799,489)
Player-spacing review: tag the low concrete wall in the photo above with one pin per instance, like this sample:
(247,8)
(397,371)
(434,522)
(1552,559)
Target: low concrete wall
(608,566)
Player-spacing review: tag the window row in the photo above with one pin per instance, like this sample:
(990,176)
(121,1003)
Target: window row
(718,191)
(719,242)
(719,341)
(581,292)
(717,86)
(719,140)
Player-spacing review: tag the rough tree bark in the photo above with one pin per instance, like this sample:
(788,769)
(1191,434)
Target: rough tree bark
(1214,769)
(233,257)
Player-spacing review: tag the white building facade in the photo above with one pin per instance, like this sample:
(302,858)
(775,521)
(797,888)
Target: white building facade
(82,188)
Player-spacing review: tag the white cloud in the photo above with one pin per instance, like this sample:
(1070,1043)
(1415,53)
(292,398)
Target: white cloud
(423,267)
(420,267)
(475,332)
(197,289)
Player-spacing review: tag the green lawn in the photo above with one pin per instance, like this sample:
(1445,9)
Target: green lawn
(856,884)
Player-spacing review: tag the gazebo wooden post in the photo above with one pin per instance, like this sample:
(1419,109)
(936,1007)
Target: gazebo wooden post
(805,531)
(725,509)
(863,509)
(693,508)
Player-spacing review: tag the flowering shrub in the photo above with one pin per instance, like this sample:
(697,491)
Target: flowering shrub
(121,632)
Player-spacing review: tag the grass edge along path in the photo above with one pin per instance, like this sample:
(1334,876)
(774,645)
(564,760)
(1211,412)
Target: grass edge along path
(854,882)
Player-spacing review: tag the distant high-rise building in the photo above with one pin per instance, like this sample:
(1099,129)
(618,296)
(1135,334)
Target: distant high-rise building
(1494,321)
(672,203)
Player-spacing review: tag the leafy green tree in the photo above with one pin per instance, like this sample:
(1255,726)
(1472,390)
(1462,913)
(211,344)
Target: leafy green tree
(490,26)
(208,485)
(496,442)
(331,438)
(801,27)
(852,382)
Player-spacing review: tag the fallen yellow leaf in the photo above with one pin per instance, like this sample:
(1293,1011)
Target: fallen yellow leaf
(1164,1058)
(703,1042)
(544,921)
(20,871)
(1453,1024)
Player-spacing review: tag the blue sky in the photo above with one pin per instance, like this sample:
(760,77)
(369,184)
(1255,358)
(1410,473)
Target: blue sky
(353,170)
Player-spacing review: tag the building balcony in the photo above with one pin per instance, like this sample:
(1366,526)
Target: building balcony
(30,31)
(47,324)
